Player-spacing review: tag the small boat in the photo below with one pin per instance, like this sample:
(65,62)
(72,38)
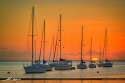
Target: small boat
(54,62)
(92,63)
(100,62)
(34,67)
(82,64)
(106,62)
(62,64)
(44,63)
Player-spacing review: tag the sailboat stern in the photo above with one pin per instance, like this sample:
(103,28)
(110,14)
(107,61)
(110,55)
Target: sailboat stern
(34,69)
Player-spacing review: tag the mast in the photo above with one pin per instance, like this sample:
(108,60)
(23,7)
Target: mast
(105,44)
(82,44)
(40,50)
(51,48)
(91,49)
(42,42)
(35,58)
(33,8)
(100,54)
(44,34)
(55,48)
(60,26)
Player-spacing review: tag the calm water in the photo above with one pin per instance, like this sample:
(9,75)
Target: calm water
(17,71)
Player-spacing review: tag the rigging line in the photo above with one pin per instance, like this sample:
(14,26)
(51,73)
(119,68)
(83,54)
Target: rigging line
(91,49)
(82,44)
(44,39)
(60,26)
(41,46)
(105,44)
(51,47)
(55,48)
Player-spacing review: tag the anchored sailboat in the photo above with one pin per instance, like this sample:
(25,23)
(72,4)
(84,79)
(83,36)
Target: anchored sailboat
(62,63)
(100,62)
(34,67)
(82,64)
(54,43)
(43,63)
(91,64)
(106,62)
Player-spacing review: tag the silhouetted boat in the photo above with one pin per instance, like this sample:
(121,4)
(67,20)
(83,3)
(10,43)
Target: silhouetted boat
(100,62)
(54,46)
(106,62)
(82,64)
(34,67)
(92,63)
(62,64)
(44,63)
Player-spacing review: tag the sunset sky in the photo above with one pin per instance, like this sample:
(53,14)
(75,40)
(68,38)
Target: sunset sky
(94,15)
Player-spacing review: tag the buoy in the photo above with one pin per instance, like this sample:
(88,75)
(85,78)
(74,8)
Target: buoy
(8,72)
(97,71)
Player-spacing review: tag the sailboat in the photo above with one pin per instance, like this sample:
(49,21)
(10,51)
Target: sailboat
(62,64)
(91,64)
(106,62)
(100,62)
(82,64)
(34,67)
(54,43)
(43,63)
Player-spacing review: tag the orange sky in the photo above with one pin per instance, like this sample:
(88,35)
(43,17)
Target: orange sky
(95,15)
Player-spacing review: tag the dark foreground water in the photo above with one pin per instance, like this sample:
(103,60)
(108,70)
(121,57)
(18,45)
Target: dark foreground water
(64,81)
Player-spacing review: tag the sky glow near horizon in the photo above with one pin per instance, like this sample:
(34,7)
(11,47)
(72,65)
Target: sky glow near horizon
(95,15)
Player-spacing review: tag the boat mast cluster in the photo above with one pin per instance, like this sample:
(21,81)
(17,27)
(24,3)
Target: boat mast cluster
(62,64)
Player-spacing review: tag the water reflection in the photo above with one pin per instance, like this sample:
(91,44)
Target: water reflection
(63,81)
